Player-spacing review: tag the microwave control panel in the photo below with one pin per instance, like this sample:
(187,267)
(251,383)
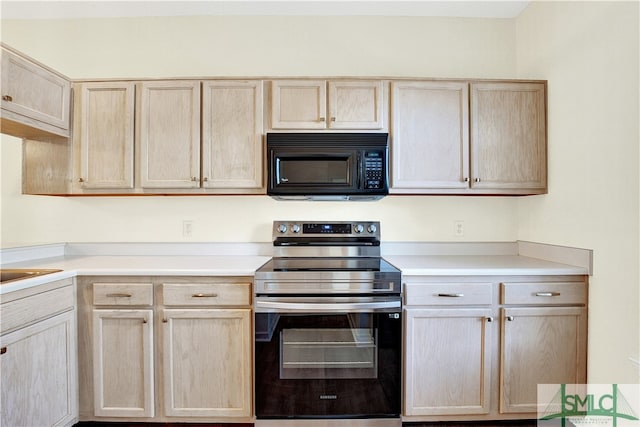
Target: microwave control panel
(374,169)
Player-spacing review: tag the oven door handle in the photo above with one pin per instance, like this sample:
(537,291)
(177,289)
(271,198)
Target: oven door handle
(263,306)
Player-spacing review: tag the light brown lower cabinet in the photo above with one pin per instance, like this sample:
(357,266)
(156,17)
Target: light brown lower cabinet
(541,345)
(476,348)
(448,361)
(207,363)
(123,363)
(165,349)
(38,357)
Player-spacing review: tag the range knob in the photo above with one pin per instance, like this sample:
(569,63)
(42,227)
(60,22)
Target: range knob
(358,228)
(295,228)
(372,228)
(282,228)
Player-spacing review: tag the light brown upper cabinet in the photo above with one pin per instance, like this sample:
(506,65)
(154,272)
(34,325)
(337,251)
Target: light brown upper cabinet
(35,99)
(169,134)
(456,137)
(327,104)
(225,158)
(190,137)
(232,135)
(104,135)
(430,147)
(509,137)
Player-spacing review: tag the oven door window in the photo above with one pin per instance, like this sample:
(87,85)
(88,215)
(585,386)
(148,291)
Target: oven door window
(315,170)
(328,365)
(328,353)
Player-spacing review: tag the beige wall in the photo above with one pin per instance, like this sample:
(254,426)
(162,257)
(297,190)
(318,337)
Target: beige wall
(593,200)
(254,46)
(588,51)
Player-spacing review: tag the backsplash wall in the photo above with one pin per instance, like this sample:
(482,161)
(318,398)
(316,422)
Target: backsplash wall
(47,219)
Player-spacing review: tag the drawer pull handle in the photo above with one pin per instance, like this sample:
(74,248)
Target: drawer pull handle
(451,295)
(489,319)
(3,350)
(547,294)
(204,296)
(510,318)
(119,295)
(7,98)
(144,321)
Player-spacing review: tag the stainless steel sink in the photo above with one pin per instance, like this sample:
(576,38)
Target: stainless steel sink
(11,274)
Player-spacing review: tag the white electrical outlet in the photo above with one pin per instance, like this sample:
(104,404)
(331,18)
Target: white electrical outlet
(187,228)
(458,228)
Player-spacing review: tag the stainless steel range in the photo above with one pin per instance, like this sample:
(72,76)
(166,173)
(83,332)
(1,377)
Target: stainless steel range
(328,325)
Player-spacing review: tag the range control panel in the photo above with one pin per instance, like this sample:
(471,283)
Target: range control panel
(337,229)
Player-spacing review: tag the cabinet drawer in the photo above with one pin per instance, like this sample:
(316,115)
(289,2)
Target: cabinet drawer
(25,311)
(122,294)
(448,293)
(218,294)
(552,293)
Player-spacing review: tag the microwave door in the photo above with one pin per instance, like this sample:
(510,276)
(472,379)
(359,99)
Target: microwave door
(318,172)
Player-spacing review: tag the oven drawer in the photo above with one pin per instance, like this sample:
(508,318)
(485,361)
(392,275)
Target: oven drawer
(448,293)
(206,294)
(123,294)
(550,293)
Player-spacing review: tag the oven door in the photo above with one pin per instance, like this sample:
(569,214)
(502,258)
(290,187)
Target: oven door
(338,358)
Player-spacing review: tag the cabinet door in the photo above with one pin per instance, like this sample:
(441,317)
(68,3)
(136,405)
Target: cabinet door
(123,363)
(232,135)
(430,147)
(170,134)
(104,133)
(298,104)
(356,105)
(447,361)
(508,136)
(38,370)
(207,362)
(34,92)
(540,346)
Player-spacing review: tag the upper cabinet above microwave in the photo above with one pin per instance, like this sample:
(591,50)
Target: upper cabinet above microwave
(35,99)
(328,104)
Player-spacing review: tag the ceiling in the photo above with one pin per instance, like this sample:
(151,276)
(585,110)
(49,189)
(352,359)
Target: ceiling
(54,9)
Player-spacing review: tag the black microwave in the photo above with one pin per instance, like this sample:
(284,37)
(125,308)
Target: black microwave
(327,166)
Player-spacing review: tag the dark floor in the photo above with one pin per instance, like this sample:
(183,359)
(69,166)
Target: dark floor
(525,423)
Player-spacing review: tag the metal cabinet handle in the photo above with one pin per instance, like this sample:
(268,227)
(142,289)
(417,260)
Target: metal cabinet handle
(193,178)
(322,119)
(510,318)
(205,179)
(80,179)
(3,350)
(204,295)
(489,319)
(451,295)
(466,179)
(144,320)
(477,180)
(333,119)
(7,98)
(547,294)
(119,295)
